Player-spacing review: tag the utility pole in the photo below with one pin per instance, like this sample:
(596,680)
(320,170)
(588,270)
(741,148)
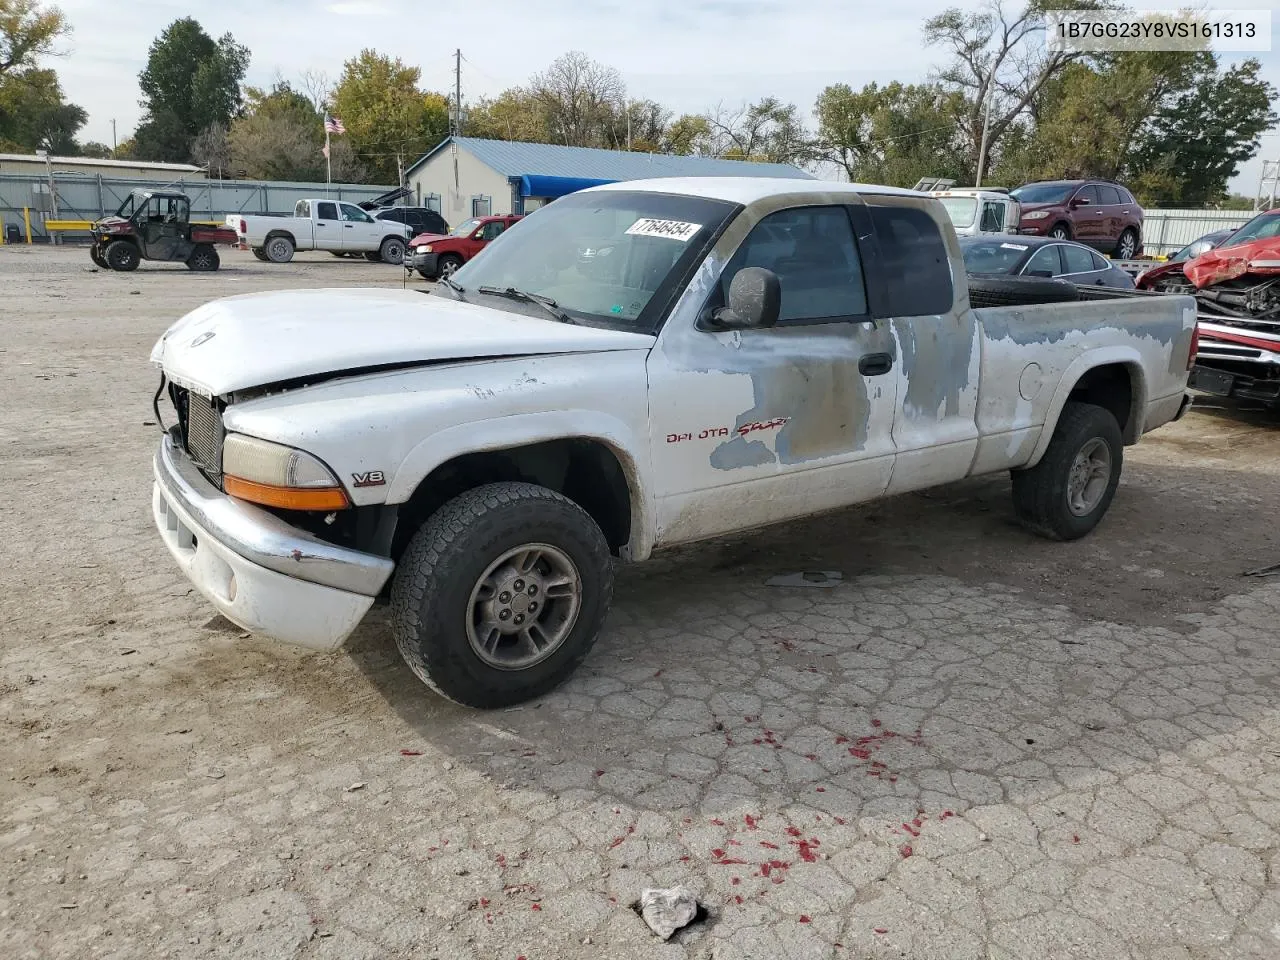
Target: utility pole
(54,239)
(113,134)
(457,93)
(1270,174)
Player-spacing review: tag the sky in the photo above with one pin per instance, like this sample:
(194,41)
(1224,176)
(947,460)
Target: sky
(687,54)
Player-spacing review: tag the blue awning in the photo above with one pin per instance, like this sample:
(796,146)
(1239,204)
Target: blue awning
(532,185)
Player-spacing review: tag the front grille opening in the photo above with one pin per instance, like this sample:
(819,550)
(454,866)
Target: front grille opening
(200,422)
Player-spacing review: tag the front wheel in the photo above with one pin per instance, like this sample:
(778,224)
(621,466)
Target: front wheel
(122,255)
(1060,231)
(499,596)
(1066,494)
(391,251)
(1127,245)
(449,265)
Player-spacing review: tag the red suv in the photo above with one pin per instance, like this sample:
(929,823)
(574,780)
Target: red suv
(436,255)
(1097,213)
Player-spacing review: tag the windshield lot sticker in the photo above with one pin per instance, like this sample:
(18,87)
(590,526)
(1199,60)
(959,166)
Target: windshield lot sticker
(671,229)
(1013,246)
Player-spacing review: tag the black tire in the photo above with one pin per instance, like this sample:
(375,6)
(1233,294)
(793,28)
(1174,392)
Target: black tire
(204,259)
(447,265)
(987,291)
(444,563)
(260,254)
(1041,494)
(279,248)
(1061,231)
(95,254)
(337,253)
(1126,245)
(122,255)
(373,256)
(392,251)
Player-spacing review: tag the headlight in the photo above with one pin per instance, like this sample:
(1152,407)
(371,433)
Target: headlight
(1036,215)
(425,248)
(278,476)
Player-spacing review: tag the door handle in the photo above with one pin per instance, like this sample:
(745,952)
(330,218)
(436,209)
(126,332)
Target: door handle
(875,364)
(348,226)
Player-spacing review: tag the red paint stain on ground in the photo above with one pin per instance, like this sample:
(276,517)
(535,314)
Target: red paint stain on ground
(735,881)
(598,773)
(718,823)
(804,918)
(875,723)
(410,753)
(750,821)
(737,898)
(616,842)
(1075,838)
(821,789)
(771,846)
(793,831)
(905,850)
(806,850)
(881,930)
(537,906)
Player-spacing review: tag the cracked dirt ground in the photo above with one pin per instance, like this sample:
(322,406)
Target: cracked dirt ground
(979,745)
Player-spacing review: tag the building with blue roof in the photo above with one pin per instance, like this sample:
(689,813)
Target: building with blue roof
(465,177)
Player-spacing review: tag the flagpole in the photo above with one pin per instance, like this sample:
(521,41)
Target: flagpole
(328,162)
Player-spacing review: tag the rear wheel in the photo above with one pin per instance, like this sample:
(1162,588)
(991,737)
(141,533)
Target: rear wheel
(122,255)
(1066,494)
(499,596)
(204,258)
(279,249)
(392,251)
(95,254)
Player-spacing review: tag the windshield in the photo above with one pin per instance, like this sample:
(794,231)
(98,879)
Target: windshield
(1262,227)
(1043,193)
(992,256)
(600,255)
(961,210)
(466,229)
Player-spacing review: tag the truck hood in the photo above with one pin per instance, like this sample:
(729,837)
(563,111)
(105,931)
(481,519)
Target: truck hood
(286,335)
(423,239)
(1221,264)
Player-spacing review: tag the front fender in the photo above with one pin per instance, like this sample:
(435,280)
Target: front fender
(519,430)
(1128,356)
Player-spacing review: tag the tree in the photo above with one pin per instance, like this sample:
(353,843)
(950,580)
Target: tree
(211,149)
(34,114)
(190,83)
(894,134)
(1207,130)
(27,32)
(580,100)
(280,137)
(687,135)
(997,63)
(387,118)
(767,132)
(515,114)
(95,150)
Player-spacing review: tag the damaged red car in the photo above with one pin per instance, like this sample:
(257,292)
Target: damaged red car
(1237,291)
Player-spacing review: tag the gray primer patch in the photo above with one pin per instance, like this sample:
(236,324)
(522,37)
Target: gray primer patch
(741,452)
(938,360)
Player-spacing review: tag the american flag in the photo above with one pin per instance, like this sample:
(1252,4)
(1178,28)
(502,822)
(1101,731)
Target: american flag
(333,124)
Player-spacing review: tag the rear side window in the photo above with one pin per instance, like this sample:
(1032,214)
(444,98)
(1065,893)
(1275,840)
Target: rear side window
(914,257)
(435,223)
(814,254)
(1108,195)
(1098,262)
(1125,195)
(326,211)
(396,215)
(1077,259)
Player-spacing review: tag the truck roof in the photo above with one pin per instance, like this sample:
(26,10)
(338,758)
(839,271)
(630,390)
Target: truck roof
(749,189)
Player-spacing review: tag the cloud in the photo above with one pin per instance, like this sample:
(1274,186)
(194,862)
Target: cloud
(358,8)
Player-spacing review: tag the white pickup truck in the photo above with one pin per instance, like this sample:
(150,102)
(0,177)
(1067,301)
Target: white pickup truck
(319,224)
(732,353)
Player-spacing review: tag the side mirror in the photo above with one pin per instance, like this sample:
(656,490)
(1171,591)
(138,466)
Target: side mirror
(755,299)
(1080,202)
(478,235)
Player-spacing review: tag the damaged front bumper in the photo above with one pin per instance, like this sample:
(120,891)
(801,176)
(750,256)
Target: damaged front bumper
(257,570)
(1238,361)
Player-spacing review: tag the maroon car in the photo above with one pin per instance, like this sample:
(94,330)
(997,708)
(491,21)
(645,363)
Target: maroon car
(1097,213)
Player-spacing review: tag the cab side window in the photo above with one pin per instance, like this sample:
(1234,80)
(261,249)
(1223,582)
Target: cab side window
(815,256)
(353,214)
(914,260)
(326,211)
(493,228)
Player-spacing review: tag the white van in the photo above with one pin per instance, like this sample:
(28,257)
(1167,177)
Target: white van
(980,210)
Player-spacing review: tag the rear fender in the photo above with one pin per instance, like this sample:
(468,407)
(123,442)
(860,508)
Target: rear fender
(1101,357)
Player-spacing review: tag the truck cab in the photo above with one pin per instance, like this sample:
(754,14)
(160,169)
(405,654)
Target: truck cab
(975,211)
(435,255)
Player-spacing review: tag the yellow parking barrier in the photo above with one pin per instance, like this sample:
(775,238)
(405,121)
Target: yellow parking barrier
(26,219)
(70,226)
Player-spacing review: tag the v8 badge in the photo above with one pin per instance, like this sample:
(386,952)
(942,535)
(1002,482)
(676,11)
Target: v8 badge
(372,478)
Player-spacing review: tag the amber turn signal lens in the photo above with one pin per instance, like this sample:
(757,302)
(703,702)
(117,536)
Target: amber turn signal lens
(286,498)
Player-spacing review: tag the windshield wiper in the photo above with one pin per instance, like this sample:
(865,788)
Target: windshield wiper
(546,303)
(456,287)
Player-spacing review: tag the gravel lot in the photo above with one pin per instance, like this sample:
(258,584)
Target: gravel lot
(980,745)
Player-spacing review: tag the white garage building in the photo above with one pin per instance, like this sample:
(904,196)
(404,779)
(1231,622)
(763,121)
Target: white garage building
(464,177)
